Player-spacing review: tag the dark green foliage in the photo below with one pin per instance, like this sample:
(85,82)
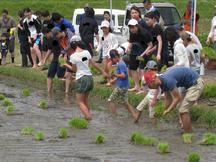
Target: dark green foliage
(26,92)
(63,133)
(208,139)
(193,157)
(209,52)
(43,104)
(163,147)
(2,97)
(139,139)
(99,139)
(39,136)
(7,102)
(78,123)
(27,131)
(187,138)
(203,39)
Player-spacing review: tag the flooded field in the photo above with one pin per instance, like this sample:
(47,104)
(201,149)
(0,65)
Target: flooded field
(80,146)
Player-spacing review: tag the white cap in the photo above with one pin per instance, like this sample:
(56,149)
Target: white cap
(132,22)
(75,38)
(105,24)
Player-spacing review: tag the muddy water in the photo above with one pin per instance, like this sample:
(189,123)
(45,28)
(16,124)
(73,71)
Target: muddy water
(80,147)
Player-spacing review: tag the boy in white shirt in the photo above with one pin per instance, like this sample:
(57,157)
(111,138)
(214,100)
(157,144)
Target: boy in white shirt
(150,99)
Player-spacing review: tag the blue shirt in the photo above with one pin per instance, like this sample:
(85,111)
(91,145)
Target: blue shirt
(67,24)
(178,77)
(122,68)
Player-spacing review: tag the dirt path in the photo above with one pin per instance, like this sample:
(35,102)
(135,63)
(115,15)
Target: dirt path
(80,147)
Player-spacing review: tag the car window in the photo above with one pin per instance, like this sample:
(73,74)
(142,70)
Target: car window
(170,15)
(99,19)
(120,20)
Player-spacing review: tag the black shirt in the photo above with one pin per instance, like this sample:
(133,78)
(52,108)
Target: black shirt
(143,37)
(55,48)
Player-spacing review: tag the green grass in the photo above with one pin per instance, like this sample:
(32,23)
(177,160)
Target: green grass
(25,92)
(193,157)
(209,91)
(187,138)
(99,139)
(138,138)
(7,102)
(2,97)
(163,147)
(209,52)
(27,131)
(39,136)
(208,139)
(78,123)
(63,132)
(10,109)
(43,104)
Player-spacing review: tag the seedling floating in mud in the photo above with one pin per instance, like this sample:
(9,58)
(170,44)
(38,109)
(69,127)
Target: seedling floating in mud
(7,102)
(10,109)
(193,157)
(139,139)
(2,97)
(163,147)
(43,104)
(39,136)
(27,131)
(208,139)
(78,123)
(26,92)
(99,139)
(187,138)
(63,133)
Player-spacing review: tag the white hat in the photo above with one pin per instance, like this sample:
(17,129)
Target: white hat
(105,24)
(75,38)
(132,22)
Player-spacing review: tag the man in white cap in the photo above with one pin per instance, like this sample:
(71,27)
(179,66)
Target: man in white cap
(140,42)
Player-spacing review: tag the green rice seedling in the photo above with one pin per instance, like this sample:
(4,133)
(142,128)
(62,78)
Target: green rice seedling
(159,109)
(164,68)
(209,52)
(209,91)
(187,138)
(194,157)
(27,131)
(62,61)
(39,136)
(99,139)
(2,97)
(93,70)
(196,112)
(139,139)
(10,110)
(26,92)
(163,147)
(209,118)
(7,102)
(78,123)
(43,104)
(63,132)
(208,139)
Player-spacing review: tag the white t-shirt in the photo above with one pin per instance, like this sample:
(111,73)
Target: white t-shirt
(81,60)
(194,37)
(193,52)
(107,43)
(180,54)
(212,33)
(32,29)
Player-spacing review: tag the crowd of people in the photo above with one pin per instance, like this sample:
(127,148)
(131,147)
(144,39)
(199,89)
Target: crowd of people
(145,57)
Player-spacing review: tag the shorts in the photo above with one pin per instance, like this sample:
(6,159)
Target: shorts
(85,84)
(192,95)
(54,69)
(11,46)
(134,63)
(45,45)
(119,95)
(146,103)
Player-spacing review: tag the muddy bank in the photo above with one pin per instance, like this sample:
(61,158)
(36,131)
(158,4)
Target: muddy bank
(80,147)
